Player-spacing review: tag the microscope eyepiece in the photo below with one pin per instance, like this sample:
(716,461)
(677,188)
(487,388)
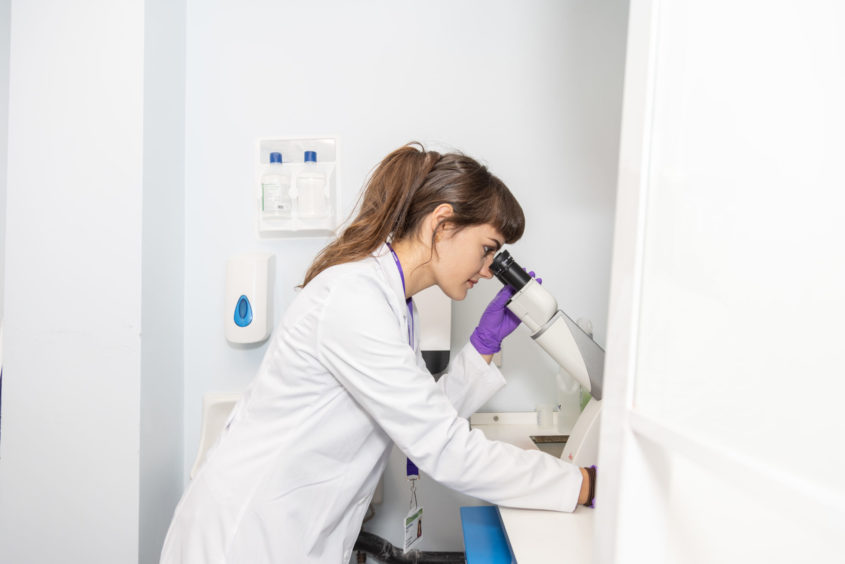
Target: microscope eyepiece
(509,272)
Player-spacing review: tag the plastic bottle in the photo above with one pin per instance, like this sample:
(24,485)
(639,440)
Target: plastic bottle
(311,187)
(275,189)
(569,400)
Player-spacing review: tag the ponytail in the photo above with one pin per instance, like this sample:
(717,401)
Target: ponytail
(408,185)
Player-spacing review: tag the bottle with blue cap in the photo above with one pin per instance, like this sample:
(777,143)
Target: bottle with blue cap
(313,198)
(275,189)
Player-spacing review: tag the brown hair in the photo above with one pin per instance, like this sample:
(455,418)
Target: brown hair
(408,185)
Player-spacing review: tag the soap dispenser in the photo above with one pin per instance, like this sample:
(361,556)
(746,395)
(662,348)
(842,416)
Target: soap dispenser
(248,309)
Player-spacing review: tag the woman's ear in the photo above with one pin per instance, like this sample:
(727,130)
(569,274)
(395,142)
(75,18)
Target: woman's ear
(436,223)
(442,212)
(440,217)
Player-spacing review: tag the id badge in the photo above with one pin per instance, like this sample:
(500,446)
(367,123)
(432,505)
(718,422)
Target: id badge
(413,528)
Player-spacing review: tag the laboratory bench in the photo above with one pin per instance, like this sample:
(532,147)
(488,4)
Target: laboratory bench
(526,536)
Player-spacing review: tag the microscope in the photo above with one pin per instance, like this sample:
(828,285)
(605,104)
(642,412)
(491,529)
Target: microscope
(569,345)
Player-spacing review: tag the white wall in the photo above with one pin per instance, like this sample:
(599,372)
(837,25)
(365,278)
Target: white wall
(163,283)
(533,89)
(5,13)
(91,452)
(69,467)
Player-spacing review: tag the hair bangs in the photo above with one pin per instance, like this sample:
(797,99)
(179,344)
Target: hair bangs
(506,214)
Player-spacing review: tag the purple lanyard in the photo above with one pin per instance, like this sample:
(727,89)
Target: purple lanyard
(408,301)
(411,469)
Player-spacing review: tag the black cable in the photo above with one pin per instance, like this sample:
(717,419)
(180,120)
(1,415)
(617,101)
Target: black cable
(386,553)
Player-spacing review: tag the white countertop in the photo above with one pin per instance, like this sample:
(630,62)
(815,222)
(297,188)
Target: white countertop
(538,537)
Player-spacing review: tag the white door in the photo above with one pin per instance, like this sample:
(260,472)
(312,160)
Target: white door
(723,433)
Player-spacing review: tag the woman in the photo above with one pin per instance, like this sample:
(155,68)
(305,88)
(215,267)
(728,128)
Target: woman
(293,473)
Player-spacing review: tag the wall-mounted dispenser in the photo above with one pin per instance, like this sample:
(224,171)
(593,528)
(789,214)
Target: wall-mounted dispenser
(248,307)
(297,187)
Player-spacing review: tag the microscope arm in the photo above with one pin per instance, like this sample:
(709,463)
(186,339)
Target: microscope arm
(573,349)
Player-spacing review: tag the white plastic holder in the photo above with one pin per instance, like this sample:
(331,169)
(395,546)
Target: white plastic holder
(248,302)
(216,415)
(435,327)
(293,162)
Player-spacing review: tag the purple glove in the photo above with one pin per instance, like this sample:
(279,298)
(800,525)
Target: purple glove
(497,322)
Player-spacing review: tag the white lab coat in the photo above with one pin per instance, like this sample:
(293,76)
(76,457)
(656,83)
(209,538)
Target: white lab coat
(292,475)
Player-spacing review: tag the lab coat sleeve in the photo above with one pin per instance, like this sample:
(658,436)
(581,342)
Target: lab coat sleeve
(360,342)
(470,381)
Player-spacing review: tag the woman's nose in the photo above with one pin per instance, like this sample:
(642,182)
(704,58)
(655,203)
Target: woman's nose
(485,269)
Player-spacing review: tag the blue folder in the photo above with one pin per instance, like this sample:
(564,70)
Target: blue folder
(484,538)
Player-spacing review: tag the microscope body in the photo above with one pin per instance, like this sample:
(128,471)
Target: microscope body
(567,343)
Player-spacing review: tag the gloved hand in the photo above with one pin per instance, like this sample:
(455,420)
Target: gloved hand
(497,322)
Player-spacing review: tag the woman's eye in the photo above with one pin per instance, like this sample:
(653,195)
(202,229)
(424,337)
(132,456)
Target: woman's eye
(487,250)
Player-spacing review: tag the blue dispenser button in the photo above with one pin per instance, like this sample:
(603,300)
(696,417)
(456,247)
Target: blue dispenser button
(243,312)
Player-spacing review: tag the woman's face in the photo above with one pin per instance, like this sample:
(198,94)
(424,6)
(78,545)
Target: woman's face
(463,257)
